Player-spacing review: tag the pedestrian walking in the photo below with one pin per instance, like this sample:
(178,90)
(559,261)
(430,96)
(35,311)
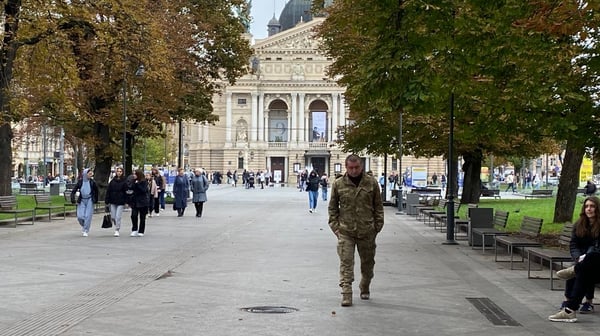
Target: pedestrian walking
(324,186)
(88,196)
(115,198)
(312,187)
(139,207)
(355,217)
(153,200)
(181,189)
(199,185)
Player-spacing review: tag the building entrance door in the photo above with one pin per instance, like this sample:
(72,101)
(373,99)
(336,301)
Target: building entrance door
(278,164)
(318,164)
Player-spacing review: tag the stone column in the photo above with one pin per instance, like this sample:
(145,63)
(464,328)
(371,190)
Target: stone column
(334,117)
(293,133)
(301,119)
(254,119)
(228,119)
(342,111)
(261,118)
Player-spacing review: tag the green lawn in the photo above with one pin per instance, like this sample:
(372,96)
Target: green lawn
(537,207)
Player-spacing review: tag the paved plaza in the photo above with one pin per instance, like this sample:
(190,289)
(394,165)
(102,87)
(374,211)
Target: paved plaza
(255,248)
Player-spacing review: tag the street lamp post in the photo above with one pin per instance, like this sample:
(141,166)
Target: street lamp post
(400,187)
(451,178)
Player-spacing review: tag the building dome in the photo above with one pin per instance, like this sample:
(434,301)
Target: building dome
(274,21)
(294,12)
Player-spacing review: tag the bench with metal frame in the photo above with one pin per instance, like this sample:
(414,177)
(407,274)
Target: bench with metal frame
(43,202)
(30,188)
(552,255)
(538,193)
(9,205)
(499,226)
(530,227)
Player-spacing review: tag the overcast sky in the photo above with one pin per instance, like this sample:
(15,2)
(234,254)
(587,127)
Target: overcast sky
(262,12)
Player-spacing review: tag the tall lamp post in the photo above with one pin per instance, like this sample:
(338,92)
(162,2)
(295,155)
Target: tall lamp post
(451,178)
(399,196)
(139,73)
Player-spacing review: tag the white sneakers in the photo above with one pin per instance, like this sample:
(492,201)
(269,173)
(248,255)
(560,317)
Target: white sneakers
(84,234)
(564,315)
(116,234)
(140,234)
(567,273)
(133,234)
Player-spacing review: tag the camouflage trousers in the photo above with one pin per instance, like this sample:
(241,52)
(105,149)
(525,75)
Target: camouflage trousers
(366,251)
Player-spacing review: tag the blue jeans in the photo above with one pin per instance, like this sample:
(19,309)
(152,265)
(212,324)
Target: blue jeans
(312,199)
(161,199)
(324,193)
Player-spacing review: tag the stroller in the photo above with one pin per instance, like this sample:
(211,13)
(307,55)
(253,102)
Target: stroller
(250,181)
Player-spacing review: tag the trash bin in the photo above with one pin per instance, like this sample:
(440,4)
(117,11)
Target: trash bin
(54,189)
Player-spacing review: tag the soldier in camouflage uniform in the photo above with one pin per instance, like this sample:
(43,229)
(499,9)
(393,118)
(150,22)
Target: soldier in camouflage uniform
(355,217)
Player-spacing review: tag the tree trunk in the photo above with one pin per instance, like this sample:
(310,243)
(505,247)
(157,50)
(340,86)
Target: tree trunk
(568,183)
(472,179)
(452,179)
(6,136)
(103,162)
(8,54)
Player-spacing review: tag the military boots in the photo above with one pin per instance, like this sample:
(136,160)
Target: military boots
(346,295)
(346,300)
(364,289)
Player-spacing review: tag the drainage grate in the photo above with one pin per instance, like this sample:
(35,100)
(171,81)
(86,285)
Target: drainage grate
(269,309)
(492,312)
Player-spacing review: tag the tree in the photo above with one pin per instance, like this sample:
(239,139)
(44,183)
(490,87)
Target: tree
(187,48)
(410,57)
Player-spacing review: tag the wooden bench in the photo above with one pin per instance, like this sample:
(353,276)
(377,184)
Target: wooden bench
(495,193)
(441,218)
(530,227)
(463,224)
(9,205)
(552,255)
(427,214)
(42,202)
(499,223)
(538,193)
(29,188)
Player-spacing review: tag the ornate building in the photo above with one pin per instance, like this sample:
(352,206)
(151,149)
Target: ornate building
(284,117)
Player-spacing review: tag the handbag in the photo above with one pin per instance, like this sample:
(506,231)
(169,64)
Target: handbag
(106,222)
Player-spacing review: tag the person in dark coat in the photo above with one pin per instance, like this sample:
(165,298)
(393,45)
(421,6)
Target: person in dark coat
(115,198)
(312,187)
(88,196)
(181,189)
(139,206)
(585,250)
(199,185)
(590,188)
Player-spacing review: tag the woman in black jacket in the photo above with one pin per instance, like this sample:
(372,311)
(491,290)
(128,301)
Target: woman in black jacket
(139,204)
(115,198)
(585,250)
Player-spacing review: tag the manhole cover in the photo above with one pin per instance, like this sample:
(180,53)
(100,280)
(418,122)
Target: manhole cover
(269,309)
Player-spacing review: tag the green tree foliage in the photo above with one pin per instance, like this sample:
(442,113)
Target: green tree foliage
(409,57)
(76,64)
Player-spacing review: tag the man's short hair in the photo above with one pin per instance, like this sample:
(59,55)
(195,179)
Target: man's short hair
(353,158)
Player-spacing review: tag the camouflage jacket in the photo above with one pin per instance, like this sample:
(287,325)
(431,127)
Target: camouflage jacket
(356,211)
